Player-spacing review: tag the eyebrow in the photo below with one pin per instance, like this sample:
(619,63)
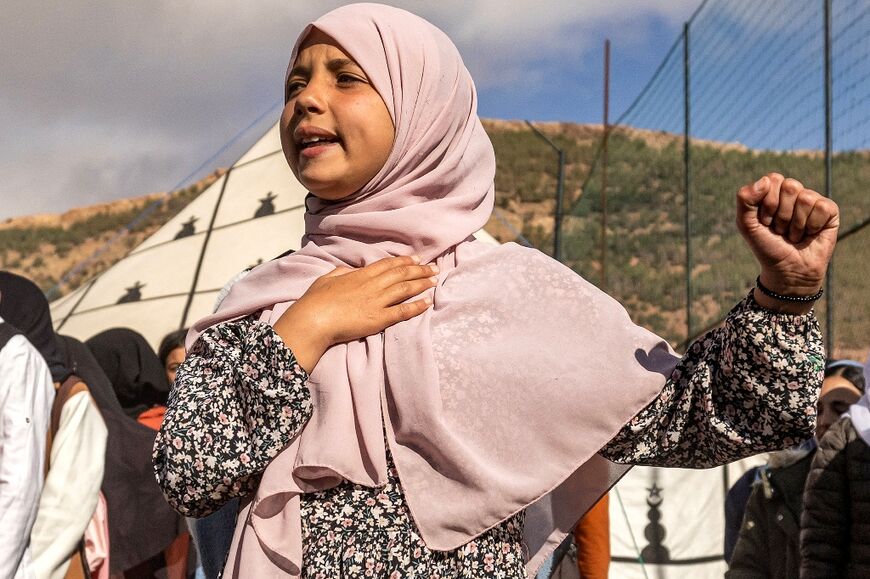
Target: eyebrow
(332,65)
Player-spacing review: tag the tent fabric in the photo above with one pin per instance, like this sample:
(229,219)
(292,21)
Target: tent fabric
(675,518)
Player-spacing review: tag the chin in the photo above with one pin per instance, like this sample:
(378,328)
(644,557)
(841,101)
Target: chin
(328,194)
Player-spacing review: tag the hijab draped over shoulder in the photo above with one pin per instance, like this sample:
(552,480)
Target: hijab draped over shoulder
(497,398)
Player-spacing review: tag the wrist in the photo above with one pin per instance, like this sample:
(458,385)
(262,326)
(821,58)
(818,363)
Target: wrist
(303,337)
(796,286)
(781,307)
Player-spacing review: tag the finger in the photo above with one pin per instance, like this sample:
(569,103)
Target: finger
(406,273)
(749,200)
(825,215)
(405,290)
(793,184)
(803,206)
(406,311)
(770,202)
(388,263)
(788,194)
(341,270)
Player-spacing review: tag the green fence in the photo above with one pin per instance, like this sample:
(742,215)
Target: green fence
(748,88)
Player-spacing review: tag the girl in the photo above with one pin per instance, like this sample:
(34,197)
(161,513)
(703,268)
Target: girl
(452,414)
(834,540)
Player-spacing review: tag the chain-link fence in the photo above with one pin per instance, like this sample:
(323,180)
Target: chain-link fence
(745,90)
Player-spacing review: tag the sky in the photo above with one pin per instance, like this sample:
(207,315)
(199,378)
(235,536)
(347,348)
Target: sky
(106,100)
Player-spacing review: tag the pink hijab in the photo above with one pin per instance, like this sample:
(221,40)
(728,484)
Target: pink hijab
(495,400)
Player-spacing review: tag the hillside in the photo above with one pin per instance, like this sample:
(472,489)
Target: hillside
(646,249)
(44,247)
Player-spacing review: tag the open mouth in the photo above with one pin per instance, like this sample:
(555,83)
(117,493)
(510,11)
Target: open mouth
(309,142)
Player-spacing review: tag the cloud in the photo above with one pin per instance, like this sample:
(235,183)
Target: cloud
(118,99)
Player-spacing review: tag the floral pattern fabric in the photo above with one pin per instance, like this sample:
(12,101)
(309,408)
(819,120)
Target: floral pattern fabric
(744,388)
(352,531)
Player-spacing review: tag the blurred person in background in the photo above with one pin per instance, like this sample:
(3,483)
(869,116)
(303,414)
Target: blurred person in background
(835,525)
(768,544)
(76,442)
(26,395)
(171,352)
(147,537)
(135,372)
(591,538)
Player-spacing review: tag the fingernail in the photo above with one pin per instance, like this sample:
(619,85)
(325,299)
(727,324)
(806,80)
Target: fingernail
(435,268)
(427,300)
(434,280)
(759,185)
(415,258)
(766,219)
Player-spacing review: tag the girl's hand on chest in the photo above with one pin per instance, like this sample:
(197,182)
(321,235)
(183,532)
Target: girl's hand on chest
(347,304)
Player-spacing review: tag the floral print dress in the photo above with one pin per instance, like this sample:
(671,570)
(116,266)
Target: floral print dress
(741,389)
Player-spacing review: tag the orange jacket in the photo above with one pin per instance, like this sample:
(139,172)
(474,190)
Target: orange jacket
(592,536)
(152,418)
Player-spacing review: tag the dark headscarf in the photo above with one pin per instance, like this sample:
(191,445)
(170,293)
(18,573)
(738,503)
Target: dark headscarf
(141,523)
(23,305)
(132,367)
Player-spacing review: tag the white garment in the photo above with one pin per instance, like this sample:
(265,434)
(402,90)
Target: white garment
(860,411)
(72,487)
(26,394)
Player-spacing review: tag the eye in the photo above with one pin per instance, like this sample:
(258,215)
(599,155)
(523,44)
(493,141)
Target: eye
(294,86)
(347,79)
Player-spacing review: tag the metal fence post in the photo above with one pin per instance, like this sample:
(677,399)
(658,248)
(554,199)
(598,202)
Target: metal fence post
(604,165)
(560,193)
(687,178)
(829,186)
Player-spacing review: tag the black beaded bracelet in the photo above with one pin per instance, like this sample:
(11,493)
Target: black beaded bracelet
(800,299)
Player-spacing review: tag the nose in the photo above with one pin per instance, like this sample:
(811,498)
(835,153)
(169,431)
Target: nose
(310,99)
(824,420)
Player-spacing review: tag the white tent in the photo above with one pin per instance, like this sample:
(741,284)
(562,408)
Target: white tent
(673,520)
(251,214)
(667,523)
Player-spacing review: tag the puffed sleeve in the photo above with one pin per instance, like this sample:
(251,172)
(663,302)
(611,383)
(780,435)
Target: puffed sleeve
(238,399)
(747,387)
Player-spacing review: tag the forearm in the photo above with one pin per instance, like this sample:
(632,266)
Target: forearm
(745,388)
